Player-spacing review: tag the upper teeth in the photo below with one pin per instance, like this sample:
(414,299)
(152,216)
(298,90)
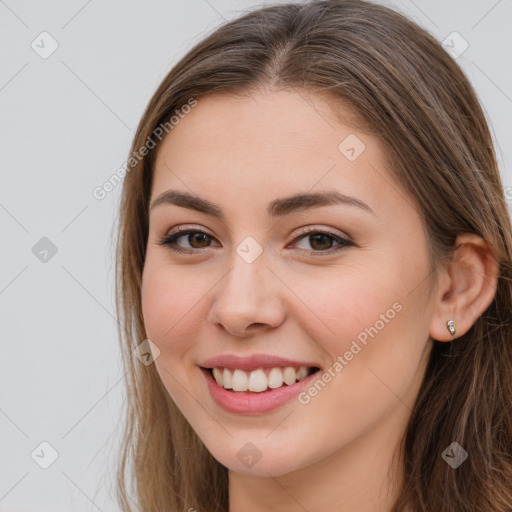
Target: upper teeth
(257,380)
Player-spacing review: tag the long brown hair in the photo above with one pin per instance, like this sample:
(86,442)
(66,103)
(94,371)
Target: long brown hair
(405,89)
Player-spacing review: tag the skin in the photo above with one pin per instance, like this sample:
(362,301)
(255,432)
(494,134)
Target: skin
(334,453)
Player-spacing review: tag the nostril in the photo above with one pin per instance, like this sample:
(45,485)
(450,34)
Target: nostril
(256,324)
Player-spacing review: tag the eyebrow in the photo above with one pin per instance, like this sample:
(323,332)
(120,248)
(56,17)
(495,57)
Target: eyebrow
(276,208)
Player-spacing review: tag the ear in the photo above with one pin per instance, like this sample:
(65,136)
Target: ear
(467,286)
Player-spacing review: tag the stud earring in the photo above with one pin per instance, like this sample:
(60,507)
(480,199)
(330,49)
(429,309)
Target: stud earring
(451,326)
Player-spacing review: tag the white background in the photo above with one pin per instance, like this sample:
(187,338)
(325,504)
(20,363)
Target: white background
(66,127)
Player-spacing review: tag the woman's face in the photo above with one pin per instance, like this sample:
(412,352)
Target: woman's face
(338,284)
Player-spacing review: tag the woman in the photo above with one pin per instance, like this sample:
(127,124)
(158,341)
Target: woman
(314,263)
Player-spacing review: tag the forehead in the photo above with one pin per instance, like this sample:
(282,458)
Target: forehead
(270,144)
(286,119)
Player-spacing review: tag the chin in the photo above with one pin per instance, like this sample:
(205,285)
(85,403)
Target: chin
(264,462)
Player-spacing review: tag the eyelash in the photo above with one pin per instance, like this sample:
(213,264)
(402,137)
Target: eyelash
(170,241)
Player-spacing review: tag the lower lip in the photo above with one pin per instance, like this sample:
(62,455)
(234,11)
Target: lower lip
(242,402)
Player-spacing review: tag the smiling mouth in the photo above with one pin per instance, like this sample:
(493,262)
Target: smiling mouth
(260,380)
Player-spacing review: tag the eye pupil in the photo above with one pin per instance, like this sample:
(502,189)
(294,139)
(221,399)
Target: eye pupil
(201,236)
(320,242)
(321,237)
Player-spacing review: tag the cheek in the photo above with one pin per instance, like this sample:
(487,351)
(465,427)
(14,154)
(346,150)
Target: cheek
(345,304)
(372,321)
(167,306)
(169,318)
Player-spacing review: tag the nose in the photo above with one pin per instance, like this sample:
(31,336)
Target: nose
(248,299)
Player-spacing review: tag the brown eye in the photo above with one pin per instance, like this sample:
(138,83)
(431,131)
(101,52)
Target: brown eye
(201,239)
(194,238)
(321,241)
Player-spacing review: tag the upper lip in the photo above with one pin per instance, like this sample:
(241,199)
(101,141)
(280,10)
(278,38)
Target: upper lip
(253,362)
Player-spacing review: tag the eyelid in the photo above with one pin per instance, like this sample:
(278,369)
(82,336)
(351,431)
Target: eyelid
(310,228)
(313,228)
(187,227)
(343,240)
